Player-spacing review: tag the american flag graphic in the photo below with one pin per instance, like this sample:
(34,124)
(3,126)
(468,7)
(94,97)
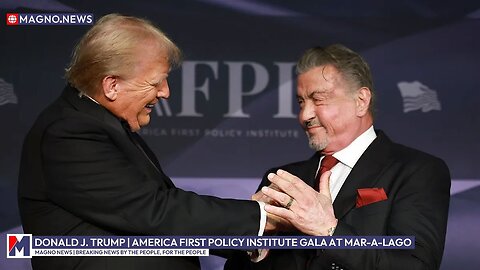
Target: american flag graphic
(6,93)
(417,96)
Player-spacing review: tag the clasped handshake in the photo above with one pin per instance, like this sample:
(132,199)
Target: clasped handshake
(292,205)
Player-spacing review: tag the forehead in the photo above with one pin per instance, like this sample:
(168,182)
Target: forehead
(151,59)
(322,78)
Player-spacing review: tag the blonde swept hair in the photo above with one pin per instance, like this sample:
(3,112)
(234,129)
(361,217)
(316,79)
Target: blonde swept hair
(109,48)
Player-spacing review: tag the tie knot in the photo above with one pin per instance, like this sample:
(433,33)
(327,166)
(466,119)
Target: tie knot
(327,163)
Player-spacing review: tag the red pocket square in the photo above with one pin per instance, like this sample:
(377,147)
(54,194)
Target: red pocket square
(366,196)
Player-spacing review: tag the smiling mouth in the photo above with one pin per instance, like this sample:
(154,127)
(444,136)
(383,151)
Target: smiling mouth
(149,106)
(312,129)
(312,124)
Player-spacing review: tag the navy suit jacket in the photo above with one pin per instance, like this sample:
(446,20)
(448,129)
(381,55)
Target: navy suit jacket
(82,174)
(418,189)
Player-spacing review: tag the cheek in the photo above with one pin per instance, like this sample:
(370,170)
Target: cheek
(150,92)
(344,119)
(143,98)
(331,117)
(326,113)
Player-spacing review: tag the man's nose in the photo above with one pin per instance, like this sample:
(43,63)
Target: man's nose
(307,112)
(164,91)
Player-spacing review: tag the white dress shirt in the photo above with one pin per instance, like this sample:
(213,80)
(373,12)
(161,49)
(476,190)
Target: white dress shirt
(347,158)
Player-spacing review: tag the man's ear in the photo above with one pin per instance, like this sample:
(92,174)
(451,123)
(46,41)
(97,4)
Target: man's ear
(364,97)
(110,87)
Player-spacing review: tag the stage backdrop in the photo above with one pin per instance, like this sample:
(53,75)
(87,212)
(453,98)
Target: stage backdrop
(232,111)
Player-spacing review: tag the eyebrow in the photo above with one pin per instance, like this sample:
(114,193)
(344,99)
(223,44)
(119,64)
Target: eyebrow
(317,91)
(157,80)
(154,82)
(314,92)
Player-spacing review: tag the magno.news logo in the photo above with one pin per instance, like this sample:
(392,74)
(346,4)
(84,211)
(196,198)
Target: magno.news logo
(19,245)
(12,19)
(49,19)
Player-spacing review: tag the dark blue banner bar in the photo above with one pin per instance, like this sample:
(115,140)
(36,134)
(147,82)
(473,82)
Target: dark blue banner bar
(224,242)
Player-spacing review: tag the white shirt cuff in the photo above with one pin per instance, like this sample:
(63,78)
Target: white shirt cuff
(263,218)
(260,254)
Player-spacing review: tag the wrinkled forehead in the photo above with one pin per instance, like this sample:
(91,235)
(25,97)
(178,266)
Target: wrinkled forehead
(150,56)
(326,72)
(321,78)
(151,49)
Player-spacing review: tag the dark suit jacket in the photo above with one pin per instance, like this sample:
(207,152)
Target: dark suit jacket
(81,174)
(418,190)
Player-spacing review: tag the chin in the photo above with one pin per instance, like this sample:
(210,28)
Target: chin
(317,144)
(143,123)
(143,120)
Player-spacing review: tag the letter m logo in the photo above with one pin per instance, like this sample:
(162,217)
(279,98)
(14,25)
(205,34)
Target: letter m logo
(19,245)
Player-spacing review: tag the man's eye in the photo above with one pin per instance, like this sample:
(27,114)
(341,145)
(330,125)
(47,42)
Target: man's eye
(156,84)
(318,99)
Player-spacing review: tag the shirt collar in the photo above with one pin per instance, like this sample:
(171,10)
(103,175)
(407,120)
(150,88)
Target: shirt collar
(352,153)
(81,94)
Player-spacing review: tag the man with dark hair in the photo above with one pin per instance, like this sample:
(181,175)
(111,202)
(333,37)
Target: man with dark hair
(85,170)
(358,182)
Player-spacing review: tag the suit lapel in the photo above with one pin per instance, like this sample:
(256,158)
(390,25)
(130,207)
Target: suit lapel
(364,174)
(304,170)
(147,153)
(309,171)
(84,104)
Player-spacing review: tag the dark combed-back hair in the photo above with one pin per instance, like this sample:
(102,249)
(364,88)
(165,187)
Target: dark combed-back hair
(350,64)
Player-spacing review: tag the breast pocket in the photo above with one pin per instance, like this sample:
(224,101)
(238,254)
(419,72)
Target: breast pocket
(370,219)
(373,208)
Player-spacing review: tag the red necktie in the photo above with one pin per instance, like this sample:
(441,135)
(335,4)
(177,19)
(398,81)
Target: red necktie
(326,165)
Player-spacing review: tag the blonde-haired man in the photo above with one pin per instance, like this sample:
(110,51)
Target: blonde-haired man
(85,170)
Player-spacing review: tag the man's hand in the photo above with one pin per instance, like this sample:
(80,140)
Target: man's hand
(277,224)
(274,223)
(310,211)
(259,196)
